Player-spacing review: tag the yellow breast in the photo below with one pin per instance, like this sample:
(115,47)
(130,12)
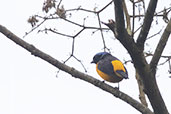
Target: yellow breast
(106,77)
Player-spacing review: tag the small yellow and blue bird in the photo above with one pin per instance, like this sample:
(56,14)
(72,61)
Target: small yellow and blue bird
(109,67)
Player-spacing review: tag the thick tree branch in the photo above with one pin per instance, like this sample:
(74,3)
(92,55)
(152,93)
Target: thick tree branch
(143,68)
(122,35)
(75,73)
(119,18)
(146,24)
(137,55)
(160,47)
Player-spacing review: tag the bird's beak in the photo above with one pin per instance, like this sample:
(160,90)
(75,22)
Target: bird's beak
(92,62)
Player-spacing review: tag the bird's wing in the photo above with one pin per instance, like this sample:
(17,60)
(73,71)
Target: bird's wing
(113,67)
(119,69)
(106,67)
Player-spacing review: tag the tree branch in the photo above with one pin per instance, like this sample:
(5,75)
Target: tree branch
(160,47)
(122,35)
(128,21)
(137,55)
(147,24)
(119,18)
(141,90)
(75,73)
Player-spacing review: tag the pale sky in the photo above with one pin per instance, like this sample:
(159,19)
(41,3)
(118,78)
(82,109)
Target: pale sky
(30,85)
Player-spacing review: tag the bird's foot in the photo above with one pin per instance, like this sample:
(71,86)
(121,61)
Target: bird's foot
(103,81)
(117,88)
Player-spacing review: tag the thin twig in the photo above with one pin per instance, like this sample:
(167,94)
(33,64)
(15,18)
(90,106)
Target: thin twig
(137,29)
(54,31)
(85,70)
(154,34)
(59,3)
(34,28)
(80,9)
(105,7)
(101,32)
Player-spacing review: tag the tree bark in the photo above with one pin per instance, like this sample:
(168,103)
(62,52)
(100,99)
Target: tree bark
(160,47)
(136,52)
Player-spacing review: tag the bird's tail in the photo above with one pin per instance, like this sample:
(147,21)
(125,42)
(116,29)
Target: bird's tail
(122,74)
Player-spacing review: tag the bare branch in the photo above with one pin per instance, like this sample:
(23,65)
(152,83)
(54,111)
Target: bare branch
(163,56)
(141,90)
(75,73)
(167,60)
(158,14)
(105,7)
(80,9)
(104,44)
(59,3)
(50,17)
(137,29)
(137,55)
(154,34)
(34,28)
(133,20)
(128,21)
(86,27)
(160,47)
(80,63)
(147,24)
(55,31)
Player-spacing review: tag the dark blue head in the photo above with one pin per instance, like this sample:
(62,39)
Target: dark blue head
(99,56)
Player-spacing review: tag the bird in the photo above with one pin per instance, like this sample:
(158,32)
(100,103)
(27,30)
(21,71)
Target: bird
(110,68)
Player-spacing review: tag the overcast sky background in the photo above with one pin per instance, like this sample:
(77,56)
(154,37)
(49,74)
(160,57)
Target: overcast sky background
(30,85)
